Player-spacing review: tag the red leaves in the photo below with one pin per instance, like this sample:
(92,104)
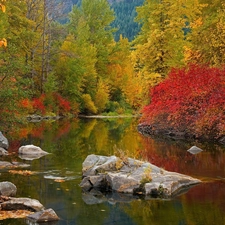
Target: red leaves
(38,104)
(47,104)
(64,104)
(190,99)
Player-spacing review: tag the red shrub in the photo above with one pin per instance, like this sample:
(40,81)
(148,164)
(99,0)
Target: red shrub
(38,104)
(64,105)
(190,99)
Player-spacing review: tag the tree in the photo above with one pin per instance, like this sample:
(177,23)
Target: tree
(90,27)
(207,37)
(13,84)
(125,12)
(3,41)
(159,46)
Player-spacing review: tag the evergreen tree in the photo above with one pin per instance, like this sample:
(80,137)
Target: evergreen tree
(125,12)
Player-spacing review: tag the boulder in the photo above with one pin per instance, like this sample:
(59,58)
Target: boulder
(132,177)
(3,151)
(47,215)
(7,189)
(3,141)
(30,152)
(222,140)
(22,204)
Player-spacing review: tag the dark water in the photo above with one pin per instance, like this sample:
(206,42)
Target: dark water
(71,141)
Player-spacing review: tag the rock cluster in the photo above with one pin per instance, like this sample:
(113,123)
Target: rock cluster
(8,201)
(130,176)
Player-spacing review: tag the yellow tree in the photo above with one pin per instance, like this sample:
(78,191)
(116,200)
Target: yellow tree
(126,85)
(3,41)
(207,37)
(165,27)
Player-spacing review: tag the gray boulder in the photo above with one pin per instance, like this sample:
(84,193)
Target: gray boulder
(7,189)
(30,152)
(47,215)
(132,177)
(22,204)
(3,141)
(3,151)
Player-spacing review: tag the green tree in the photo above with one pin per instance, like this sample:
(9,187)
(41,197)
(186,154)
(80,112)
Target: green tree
(13,80)
(90,27)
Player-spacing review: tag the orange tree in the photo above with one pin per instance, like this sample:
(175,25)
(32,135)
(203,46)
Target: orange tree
(191,100)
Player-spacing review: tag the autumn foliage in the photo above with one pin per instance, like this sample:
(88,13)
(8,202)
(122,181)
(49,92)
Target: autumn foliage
(191,100)
(47,104)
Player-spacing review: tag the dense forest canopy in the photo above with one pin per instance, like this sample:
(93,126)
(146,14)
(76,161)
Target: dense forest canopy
(125,13)
(86,66)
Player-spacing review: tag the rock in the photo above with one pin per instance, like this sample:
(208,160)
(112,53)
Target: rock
(8,165)
(30,152)
(132,177)
(96,197)
(7,189)
(194,150)
(47,215)
(22,204)
(5,164)
(3,152)
(34,118)
(3,141)
(222,140)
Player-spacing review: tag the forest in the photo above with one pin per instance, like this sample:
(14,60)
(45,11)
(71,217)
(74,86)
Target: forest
(171,72)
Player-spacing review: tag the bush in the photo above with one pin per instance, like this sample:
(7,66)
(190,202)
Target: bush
(192,100)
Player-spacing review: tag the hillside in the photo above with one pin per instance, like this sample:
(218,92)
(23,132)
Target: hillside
(125,12)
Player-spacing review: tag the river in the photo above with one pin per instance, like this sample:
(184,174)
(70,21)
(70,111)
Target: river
(56,177)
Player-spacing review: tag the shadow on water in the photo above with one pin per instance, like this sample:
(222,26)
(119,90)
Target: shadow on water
(56,177)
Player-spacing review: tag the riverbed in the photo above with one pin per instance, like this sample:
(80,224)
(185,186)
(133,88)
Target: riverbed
(55,177)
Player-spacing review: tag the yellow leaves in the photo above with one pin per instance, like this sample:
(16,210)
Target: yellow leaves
(3,43)
(59,180)
(15,214)
(89,104)
(2,7)
(197,23)
(190,55)
(102,95)
(21,172)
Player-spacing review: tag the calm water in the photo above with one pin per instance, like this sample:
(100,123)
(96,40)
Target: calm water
(71,141)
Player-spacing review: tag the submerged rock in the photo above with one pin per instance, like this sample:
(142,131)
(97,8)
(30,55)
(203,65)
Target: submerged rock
(3,152)
(43,216)
(30,152)
(9,165)
(132,177)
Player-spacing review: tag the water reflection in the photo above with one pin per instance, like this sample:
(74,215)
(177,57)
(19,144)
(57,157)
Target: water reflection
(55,182)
